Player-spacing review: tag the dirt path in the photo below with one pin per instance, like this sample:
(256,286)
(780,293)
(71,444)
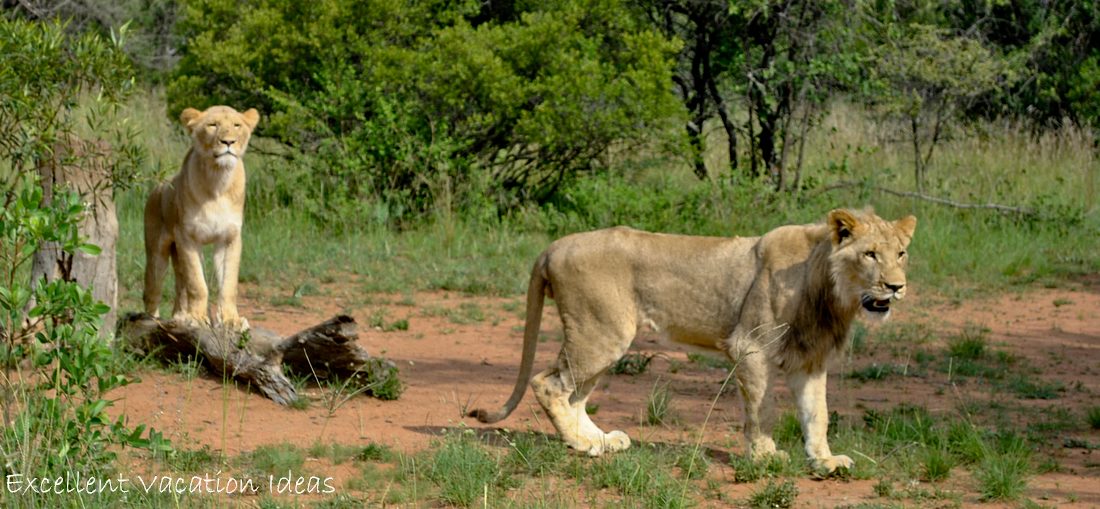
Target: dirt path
(462,352)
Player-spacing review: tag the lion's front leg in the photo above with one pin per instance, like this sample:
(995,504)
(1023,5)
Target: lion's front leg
(190,284)
(813,414)
(227,263)
(753,380)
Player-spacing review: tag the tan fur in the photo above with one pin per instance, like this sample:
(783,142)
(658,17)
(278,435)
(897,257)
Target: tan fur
(779,303)
(203,204)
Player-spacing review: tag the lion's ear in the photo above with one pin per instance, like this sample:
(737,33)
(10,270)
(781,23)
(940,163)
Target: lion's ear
(907,225)
(843,224)
(251,117)
(189,115)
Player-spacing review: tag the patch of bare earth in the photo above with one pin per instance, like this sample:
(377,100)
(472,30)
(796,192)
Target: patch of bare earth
(462,352)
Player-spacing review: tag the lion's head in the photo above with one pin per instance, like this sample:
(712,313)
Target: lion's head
(220,133)
(868,260)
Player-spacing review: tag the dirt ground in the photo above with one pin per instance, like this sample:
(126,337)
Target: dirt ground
(462,352)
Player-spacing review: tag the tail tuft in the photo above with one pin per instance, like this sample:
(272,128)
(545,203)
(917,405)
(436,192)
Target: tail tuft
(482,415)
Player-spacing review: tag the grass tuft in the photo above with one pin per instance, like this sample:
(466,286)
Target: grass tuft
(1093,417)
(659,405)
(463,470)
(774,495)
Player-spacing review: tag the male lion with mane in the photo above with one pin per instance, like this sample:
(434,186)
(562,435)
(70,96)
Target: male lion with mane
(203,204)
(781,303)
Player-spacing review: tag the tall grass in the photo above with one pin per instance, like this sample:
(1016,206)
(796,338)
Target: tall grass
(954,250)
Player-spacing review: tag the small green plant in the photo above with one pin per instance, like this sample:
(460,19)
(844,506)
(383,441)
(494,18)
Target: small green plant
(192,460)
(746,470)
(463,470)
(659,405)
(1026,387)
(774,495)
(374,452)
(535,454)
(400,324)
(884,488)
(904,424)
(970,344)
(858,338)
(1093,417)
(787,430)
(710,361)
(904,333)
(337,453)
(693,462)
(936,464)
(275,459)
(632,363)
(638,472)
(875,372)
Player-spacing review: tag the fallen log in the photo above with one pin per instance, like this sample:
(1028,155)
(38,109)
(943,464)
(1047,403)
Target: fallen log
(324,351)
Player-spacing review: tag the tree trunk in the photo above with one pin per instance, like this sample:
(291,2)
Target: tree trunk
(727,124)
(326,350)
(83,167)
(918,170)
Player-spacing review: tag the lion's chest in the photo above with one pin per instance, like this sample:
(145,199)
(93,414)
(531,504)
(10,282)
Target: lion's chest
(217,221)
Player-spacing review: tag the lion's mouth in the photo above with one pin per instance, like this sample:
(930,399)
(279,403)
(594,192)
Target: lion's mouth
(875,305)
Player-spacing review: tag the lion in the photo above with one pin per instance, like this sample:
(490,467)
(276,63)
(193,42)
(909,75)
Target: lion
(202,204)
(779,303)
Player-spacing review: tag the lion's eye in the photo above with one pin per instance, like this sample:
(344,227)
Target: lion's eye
(870,254)
(212,124)
(237,125)
(901,254)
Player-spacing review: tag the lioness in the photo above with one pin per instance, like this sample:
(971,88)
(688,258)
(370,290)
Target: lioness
(781,302)
(203,204)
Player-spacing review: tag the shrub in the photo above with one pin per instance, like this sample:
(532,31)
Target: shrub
(410,108)
(57,413)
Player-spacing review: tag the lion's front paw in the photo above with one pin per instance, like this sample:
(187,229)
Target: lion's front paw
(191,320)
(831,464)
(235,322)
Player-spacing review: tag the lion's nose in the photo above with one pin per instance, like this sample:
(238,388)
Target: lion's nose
(895,287)
(228,143)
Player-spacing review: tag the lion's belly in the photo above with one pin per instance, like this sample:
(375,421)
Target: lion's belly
(703,339)
(697,326)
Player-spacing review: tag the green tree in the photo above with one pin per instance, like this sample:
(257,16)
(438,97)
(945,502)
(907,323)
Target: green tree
(927,77)
(151,42)
(398,107)
(55,417)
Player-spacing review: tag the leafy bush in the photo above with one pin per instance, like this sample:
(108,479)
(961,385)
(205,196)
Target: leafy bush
(59,417)
(394,117)
(50,73)
(58,411)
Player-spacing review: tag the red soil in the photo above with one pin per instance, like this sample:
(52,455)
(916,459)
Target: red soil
(451,367)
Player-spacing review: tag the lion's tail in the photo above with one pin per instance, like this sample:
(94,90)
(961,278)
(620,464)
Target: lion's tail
(537,289)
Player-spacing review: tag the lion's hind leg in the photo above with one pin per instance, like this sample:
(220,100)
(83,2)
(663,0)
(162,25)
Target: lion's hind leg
(566,408)
(563,392)
(156,266)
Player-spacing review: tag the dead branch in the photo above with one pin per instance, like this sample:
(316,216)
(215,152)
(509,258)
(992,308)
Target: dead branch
(1005,209)
(323,351)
